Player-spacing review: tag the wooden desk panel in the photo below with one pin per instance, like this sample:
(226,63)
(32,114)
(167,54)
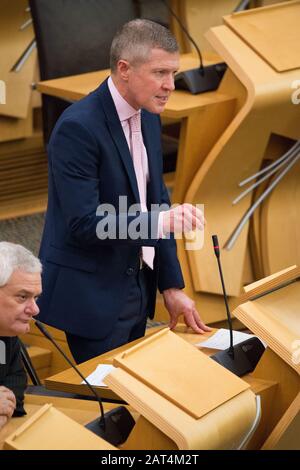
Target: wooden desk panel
(81,411)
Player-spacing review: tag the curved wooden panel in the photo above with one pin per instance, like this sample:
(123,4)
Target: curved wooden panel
(237,154)
(280,224)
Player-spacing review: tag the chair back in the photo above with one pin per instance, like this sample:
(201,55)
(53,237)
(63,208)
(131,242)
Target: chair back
(73,38)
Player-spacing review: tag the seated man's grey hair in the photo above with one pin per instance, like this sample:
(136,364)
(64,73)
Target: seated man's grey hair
(135,39)
(15,257)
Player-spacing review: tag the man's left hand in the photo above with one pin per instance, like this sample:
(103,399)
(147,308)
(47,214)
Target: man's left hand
(178,303)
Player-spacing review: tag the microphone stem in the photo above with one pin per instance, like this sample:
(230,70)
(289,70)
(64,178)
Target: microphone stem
(231,350)
(201,68)
(45,333)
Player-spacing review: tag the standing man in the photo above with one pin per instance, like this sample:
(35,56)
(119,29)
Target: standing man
(98,285)
(20,284)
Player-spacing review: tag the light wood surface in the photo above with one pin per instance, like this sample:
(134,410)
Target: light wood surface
(50,429)
(182,401)
(13,43)
(272,368)
(179,105)
(198,16)
(262,28)
(273,379)
(274,317)
(268,100)
(41,360)
(23,177)
(160,363)
(270,282)
(81,411)
(35,338)
(222,428)
(285,435)
(12,129)
(281,247)
(69,381)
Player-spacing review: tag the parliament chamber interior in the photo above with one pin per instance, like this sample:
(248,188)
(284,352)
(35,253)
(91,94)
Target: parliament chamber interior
(230,144)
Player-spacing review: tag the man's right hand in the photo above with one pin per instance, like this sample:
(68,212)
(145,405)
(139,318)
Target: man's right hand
(7,405)
(183,218)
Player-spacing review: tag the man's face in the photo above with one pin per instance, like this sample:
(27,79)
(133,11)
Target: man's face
(148,85)
(18,302)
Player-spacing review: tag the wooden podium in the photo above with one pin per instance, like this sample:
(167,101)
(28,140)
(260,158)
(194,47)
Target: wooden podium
(261,49)
(50,429)
(271,311)
(186,400)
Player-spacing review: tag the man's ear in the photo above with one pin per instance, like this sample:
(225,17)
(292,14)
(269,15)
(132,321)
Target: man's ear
(123,69)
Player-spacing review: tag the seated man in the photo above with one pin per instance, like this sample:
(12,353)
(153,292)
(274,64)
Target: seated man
(20,285)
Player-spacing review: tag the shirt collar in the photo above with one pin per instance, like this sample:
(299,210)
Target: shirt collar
(124,109)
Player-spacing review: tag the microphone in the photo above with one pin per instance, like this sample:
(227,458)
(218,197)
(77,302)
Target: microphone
(113,426)
(243,357)
(203,78)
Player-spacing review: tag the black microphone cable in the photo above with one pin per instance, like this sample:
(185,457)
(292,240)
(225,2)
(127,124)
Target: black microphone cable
(43,330)
(217,253)
(201,68)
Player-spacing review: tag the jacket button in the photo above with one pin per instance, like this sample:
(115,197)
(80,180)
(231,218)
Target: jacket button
(130,271)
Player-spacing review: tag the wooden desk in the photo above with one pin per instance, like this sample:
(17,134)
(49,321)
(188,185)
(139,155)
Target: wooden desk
(75,87)
(69,381)
(80,411)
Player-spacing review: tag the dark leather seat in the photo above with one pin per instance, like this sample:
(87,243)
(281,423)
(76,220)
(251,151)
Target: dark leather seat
(74,37)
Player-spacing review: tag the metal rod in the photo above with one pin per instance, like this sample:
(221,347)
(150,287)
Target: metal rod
(258,182)
(232,239)
(25,55)
(26,24)
(241,6)
(272,165)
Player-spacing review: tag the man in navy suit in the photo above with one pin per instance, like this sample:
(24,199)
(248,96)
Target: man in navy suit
(102,267)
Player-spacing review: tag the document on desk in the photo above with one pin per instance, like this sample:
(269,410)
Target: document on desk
(96,377)
(221,339)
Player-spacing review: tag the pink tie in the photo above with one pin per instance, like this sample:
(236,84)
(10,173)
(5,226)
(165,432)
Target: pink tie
(140,173)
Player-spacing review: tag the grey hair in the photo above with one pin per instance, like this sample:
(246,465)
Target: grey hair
(13,257)
(136,38)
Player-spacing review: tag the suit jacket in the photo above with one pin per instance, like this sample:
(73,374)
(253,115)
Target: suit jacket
(86,279)
(12,373)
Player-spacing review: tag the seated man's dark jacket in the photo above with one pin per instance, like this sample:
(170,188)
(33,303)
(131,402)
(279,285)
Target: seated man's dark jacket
(12,373)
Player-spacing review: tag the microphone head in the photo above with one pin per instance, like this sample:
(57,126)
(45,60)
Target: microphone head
(216,245)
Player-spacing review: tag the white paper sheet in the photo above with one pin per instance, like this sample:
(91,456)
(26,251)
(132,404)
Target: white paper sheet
(96,377)
(221,339)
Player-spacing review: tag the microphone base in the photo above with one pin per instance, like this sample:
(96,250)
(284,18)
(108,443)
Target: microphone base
(246,357)
(118,425)
(195,82)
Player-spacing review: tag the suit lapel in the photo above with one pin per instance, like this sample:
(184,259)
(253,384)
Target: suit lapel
(149,136)
(117,134)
